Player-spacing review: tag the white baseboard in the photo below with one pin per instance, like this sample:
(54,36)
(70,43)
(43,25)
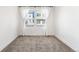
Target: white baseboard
(65,42)
(8,43)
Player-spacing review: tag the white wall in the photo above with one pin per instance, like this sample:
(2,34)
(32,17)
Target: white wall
(36,30)
(8,25)
(67,25)
(50,22)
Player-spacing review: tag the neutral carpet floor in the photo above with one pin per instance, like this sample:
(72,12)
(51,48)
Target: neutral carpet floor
(37,44)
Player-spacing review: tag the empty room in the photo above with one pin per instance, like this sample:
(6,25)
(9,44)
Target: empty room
(39,29)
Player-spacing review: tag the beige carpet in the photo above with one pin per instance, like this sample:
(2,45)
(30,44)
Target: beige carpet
(37,44)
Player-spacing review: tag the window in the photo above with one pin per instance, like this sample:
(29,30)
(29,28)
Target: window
(34,16)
